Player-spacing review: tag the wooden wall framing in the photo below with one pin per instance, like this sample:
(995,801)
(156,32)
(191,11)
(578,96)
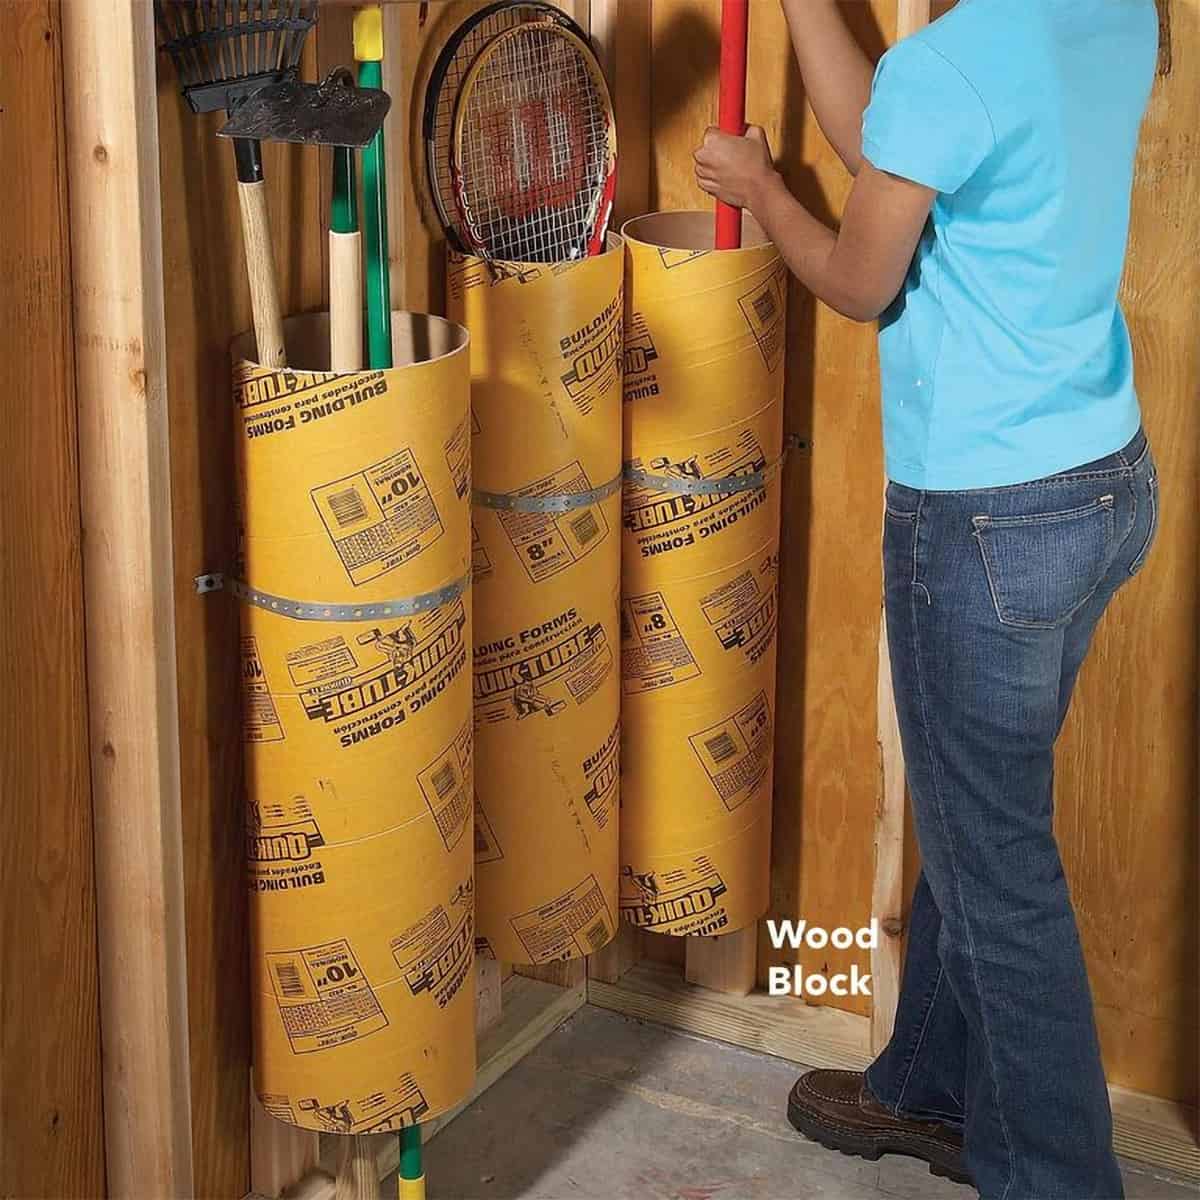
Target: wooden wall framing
(828,773)
(51,1127)
(129,600)
(1127,803)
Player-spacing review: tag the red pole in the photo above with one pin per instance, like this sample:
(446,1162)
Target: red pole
(731,111)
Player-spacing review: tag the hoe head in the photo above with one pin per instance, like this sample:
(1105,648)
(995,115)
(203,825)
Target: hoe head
(334,113)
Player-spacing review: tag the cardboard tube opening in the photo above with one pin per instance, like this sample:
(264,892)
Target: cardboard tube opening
(688,231)
(416,338)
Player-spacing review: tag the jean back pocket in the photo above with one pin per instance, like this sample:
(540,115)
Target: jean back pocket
(1042,567)
(1151,524)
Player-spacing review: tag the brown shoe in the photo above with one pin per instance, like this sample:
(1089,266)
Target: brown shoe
(835,1109)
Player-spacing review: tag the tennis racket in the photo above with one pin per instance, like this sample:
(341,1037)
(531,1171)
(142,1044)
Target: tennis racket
(445,81)
(534,151)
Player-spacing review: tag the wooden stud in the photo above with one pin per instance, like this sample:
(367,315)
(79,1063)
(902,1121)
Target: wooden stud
(125,489)
(887,890)
(723,964)
(399,47)
(51,1118)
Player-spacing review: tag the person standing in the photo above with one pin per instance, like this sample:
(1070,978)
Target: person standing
(986,230)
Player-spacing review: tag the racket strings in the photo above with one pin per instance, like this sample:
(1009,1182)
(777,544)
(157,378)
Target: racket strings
(534,151)
(480,36)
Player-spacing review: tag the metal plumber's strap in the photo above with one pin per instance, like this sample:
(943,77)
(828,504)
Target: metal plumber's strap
(728,485)
(562,503)
(304,610)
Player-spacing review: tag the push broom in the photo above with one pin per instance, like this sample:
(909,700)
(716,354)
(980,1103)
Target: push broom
(224,54)
(731,108)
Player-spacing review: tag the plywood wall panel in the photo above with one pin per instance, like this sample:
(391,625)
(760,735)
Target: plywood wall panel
(1127,783)
(51,1121)
(207,302)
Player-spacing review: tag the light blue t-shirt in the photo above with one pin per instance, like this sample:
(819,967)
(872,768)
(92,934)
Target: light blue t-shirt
(1006,357)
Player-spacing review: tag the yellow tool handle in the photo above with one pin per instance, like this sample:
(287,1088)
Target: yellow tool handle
(345,302)
(368,34)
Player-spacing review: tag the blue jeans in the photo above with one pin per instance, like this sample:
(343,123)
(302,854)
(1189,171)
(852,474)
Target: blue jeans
(992,598)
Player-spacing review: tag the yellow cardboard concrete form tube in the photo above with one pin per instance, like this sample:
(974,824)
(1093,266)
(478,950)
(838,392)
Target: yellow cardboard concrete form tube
(704,390)
(355,491)
(546,401)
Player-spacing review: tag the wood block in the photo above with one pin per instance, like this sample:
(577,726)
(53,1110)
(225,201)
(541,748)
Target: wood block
(612,961)
(569,974)
(782,1026)
(487,993)
(723,964)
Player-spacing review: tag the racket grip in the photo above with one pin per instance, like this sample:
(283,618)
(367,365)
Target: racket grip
(345,301)
(731,108)
(260,267)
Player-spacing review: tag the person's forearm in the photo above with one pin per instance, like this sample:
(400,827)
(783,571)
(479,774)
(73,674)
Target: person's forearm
(837,74)
(810,250)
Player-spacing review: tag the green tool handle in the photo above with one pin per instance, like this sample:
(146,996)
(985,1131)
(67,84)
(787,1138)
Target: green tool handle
(412,1174)
(375,231)
(343,214)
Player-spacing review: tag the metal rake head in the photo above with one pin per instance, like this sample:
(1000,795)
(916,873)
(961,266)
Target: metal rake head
(226,50)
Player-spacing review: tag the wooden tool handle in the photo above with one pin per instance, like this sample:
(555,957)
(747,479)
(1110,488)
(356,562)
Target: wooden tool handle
(260,267)
(345,302)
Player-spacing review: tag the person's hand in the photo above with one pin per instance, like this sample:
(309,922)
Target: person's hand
(735,170)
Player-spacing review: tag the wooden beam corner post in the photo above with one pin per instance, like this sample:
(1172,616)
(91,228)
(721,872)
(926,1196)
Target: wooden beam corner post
(125,491)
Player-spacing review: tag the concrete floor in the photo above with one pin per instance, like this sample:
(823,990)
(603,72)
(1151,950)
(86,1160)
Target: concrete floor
(610,1109)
